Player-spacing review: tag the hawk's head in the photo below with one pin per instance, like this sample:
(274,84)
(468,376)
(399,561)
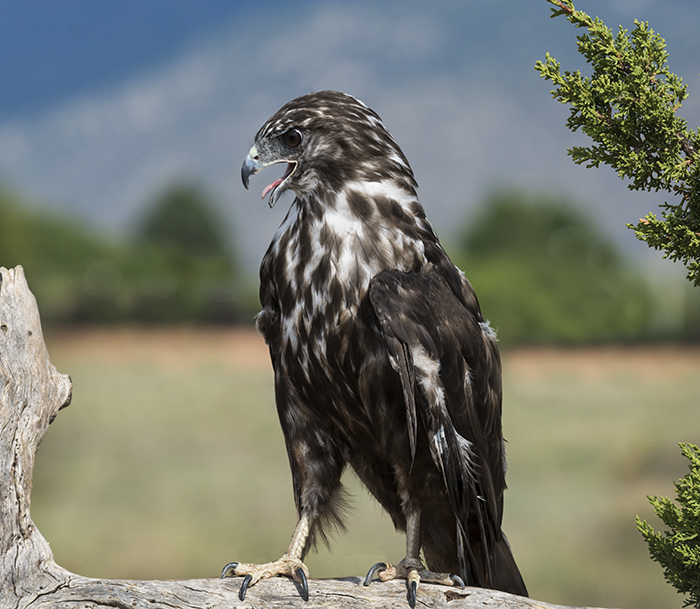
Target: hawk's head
(328,140)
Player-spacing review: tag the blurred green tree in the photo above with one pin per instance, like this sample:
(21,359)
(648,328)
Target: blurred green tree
(178,268)
(55,253)
(183,266)
(545,273)
(183,218)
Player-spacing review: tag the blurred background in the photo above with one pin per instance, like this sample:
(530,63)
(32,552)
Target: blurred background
(122,129)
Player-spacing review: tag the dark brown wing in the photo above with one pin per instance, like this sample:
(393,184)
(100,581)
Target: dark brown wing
(450,372)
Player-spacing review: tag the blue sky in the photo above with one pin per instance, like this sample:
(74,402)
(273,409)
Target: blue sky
(54,49)
(105,102)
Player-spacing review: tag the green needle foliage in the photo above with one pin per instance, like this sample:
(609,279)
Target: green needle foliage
(678,550)
(628,108)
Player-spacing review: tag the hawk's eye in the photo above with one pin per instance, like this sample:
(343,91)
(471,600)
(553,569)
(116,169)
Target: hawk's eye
(292,137)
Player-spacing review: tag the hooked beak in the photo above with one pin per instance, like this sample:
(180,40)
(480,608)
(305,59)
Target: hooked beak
(253,164)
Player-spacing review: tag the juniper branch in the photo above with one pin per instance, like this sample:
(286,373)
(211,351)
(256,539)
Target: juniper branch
(628,107)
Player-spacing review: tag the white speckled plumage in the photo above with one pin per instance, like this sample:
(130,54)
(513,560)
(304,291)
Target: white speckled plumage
(382,358)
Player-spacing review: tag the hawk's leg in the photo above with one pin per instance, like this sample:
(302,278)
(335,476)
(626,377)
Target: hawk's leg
(290,564)
(411,568)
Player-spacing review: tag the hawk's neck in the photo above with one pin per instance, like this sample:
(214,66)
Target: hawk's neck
(326,251)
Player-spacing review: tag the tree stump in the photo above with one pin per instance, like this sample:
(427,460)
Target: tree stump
(32,393)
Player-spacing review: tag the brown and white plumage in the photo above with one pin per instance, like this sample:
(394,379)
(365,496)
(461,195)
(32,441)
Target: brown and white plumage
(382,358)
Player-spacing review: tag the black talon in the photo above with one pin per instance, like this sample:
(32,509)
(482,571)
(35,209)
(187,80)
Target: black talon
(244,587)
(412,594)
(229,567)
(380,566)
(304,584)
(457,581)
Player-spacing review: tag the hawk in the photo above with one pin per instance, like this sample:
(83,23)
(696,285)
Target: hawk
(382,359)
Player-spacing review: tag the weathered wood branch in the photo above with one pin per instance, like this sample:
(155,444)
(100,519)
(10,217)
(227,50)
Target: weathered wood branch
(31,394)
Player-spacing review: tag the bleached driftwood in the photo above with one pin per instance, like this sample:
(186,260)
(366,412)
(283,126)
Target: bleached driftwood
(31,394)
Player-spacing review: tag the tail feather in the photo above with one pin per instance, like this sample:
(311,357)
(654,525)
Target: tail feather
(507,576)
(450,549)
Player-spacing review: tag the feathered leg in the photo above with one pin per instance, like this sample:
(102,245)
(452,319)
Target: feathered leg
(316,464)
(290,564)
(411,568)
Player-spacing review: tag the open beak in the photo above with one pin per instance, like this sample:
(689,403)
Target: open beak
(252,165)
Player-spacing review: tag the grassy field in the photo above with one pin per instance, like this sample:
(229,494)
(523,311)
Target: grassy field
(170,463)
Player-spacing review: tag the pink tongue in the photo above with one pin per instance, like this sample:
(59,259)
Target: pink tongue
(269,187)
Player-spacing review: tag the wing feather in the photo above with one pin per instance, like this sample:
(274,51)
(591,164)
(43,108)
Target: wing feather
(451,384)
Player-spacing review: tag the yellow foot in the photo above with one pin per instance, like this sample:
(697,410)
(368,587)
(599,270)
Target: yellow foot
(413,571)
(288,566)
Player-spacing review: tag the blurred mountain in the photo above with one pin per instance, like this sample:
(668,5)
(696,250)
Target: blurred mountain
(454,82)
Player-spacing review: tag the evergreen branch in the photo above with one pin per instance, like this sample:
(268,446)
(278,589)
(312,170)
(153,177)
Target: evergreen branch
(628,107)
(678,550)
